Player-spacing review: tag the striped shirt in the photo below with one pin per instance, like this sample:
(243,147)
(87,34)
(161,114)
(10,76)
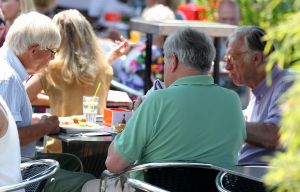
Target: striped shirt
(12,77)
(263,107)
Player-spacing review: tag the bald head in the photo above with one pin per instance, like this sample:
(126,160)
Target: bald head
(228,12)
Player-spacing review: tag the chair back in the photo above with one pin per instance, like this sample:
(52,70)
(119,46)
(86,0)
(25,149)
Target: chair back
(161,177)
(227,182)
(34,174)
(182,176)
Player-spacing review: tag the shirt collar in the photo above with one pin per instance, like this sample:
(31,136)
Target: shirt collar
(16,64)
(262,87)
(194,80)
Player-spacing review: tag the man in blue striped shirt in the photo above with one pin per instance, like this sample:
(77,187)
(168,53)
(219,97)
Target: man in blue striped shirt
(30,45)
(27,49)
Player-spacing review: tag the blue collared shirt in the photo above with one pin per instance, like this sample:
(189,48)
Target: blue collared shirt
(263,107)
(12,77)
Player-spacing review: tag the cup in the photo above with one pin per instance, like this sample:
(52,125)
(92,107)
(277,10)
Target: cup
(90,108)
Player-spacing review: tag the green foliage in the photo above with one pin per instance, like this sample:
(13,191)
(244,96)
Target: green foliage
(266,13)
(210,6)
(286,176)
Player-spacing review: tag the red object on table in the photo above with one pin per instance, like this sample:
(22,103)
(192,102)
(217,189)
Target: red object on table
(113,116)
(192,11)
(112,17)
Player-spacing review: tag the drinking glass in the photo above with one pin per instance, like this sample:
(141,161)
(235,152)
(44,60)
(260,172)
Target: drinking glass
(90,108)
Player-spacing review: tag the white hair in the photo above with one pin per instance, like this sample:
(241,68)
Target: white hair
(30,29)
(158,12)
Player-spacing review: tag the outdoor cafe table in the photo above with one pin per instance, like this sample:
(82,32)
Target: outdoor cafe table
(165,28)
(91,150)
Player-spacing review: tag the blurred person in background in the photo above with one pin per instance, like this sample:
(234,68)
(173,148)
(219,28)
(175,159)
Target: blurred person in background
(11,9)
(172,4)
(77,69)
(131,71)
(228,11)
(45,6)
(99,8)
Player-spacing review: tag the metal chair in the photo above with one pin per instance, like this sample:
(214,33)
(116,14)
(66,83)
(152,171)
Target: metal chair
(170,176)
(227,182)
(34,174)
(231,182)
(142,186)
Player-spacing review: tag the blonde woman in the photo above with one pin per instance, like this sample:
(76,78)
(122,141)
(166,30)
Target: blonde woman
(79,66)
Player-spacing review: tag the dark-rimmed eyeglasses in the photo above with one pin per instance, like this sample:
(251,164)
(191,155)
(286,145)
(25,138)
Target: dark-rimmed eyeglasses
(53,53)
(230,58)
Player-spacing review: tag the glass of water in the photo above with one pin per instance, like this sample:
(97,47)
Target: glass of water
(90,108)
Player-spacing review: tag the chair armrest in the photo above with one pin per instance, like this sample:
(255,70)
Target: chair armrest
(32,175)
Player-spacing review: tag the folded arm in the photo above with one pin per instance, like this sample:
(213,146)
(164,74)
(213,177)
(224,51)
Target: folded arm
(263,135)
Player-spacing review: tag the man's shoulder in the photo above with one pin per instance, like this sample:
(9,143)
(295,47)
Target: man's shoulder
(285,79)
(6,72)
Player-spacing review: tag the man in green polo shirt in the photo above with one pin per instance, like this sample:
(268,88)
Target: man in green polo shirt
(191,120)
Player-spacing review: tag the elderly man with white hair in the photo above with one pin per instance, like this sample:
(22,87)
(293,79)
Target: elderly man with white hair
(30,44)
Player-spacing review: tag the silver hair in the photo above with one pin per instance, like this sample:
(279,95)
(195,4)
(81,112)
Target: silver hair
(253,38)
(192,47)
(30,29)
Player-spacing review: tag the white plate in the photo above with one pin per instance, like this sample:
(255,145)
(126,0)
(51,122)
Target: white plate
(74,128)
(91,134)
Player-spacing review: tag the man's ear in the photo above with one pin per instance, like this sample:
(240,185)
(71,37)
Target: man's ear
(258,58)
(32,50)
(174,63)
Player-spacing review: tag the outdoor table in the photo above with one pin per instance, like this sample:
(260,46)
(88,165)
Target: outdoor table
(215,30)
(91,150)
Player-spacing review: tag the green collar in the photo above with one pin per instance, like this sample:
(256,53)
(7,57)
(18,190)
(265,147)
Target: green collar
(194,80)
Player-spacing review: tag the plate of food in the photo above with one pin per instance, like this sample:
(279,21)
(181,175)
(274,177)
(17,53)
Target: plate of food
(75,124)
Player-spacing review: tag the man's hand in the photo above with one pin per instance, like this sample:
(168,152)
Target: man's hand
(47,125)
(50,124)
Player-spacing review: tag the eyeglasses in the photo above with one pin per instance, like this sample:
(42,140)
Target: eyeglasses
(231,58)
(53,53)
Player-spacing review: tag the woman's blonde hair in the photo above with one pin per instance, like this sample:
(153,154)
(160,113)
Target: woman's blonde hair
(79,53)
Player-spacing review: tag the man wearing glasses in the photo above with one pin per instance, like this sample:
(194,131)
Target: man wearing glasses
(246,63)
(30,44)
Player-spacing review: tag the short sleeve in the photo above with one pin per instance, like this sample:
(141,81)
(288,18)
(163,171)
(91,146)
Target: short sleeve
(131,143)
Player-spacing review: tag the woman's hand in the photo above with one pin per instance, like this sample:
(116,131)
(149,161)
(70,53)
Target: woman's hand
(122,48)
